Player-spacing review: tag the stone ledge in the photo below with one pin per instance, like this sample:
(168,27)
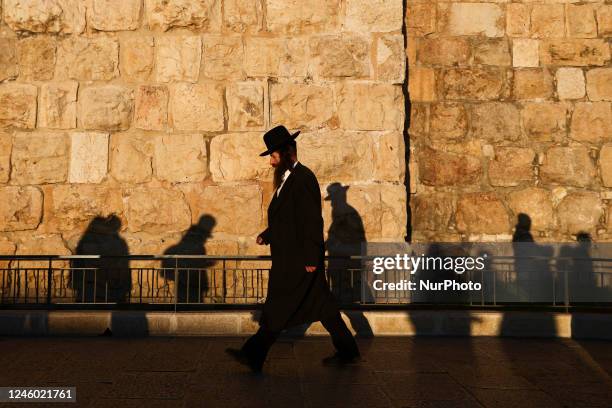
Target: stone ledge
(367,323)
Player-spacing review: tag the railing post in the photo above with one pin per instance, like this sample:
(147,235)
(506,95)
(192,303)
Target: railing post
(176,282)
(566,290)
(49,280)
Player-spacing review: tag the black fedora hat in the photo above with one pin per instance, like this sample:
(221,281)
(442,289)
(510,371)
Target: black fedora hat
(277,137)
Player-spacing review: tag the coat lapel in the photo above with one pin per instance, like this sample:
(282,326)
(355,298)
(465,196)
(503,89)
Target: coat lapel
(277,201)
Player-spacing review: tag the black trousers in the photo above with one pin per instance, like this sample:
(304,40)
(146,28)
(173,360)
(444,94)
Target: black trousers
(258,345)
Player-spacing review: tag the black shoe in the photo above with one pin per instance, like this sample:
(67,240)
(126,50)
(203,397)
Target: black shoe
(341,360)
(241,357)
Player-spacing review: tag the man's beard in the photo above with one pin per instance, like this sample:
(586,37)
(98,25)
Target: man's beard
(283,165)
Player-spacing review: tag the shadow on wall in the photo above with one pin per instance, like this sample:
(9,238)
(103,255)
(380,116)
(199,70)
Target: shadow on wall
(102,280)
(345,235)
(192,279)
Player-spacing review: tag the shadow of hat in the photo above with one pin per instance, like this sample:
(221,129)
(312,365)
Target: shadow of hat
(334,189)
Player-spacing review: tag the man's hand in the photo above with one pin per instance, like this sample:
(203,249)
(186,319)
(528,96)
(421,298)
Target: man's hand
(310,268)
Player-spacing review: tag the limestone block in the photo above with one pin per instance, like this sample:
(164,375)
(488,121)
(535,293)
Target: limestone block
(72,207)
(338,156)
(131,157)
(389,156)
(495,121)
(301,105)
(512,166)
(90,59)
(223,57)
(440,168)
(374,15)
(18,105)
(547,20)
(599,84)
(50,16)
(474,19)
(533,83)
(581,21)
(58,105)
(346,55)
(591,122)
(167,213)
(296,16)
(433,211)
(8,58)
(276,57)
(420,18)
(393,211)
(178,58)
(448,121)
(237,209)
(536,203)
(370,106)
(181,158)
(604,20)
(41,244)
(544,121)
(243,16)
(481,213)
(110,15)
(479,83)
(197,106)
(136,58)
(6,146)
(443,51)
(574,51)
(36,56)
(201,15)
(20,208)
(88,157)
(39,158)
(422,84)
(518,17)
(245,106)
(525,52)
(605,164)
(492,51)
(6,248)
(105,107)
(569,166)
(580,212)
(570,83)
(235,157)
(356,208)
(151,112)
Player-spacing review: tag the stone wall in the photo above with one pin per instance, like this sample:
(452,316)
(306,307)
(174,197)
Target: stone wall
(510,114)
(154,111)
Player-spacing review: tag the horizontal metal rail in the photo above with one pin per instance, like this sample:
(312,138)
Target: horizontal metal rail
(85,281)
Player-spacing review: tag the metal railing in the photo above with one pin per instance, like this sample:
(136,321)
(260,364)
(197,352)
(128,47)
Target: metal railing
(208,280)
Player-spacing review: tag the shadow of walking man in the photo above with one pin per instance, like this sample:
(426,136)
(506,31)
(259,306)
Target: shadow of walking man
(344,238)
(106,279)
(192,282)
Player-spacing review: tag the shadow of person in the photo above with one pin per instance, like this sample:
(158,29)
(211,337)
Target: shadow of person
(532,281)
(106,279)
(345,235)
(192,282)
(576,262)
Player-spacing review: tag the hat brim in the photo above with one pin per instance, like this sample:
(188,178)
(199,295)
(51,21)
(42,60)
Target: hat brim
(275,147)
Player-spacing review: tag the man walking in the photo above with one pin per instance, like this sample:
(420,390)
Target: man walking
(297,287)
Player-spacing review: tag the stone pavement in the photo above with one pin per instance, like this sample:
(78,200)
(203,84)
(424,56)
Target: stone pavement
(396,372)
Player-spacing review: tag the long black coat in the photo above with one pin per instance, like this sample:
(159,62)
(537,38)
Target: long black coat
(295,235)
